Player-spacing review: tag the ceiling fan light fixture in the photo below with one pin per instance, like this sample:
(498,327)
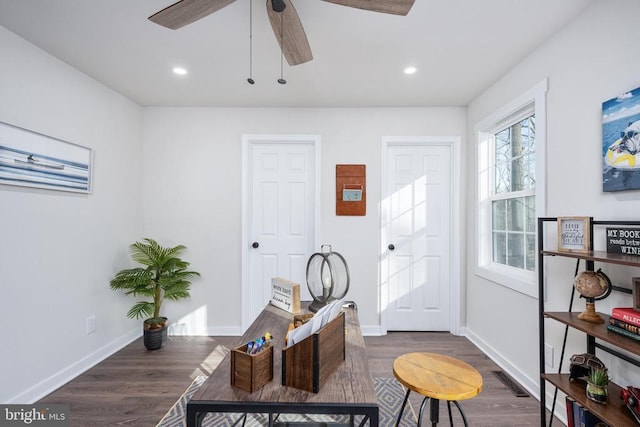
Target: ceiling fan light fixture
(179,71)
(410,70)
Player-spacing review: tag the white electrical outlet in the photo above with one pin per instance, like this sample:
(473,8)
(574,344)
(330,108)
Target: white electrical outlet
(91,324)
(548,355)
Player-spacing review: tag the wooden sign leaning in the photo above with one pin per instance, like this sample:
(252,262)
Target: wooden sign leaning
(285,294)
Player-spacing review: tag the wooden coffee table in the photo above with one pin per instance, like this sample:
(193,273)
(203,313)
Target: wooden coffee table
(349,390)
(437,377)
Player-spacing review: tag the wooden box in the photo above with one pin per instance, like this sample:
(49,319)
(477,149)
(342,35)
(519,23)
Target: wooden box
(308,364)
(249,372)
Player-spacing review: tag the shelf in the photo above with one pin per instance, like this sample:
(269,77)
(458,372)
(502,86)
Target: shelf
(598,256)
(614,413)
(598,330)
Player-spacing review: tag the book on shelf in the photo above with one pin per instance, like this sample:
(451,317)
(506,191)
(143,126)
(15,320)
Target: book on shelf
(577,410)
(591,420)
(569,404)
(579,416)
(626,314)
(622,331)
(624,325)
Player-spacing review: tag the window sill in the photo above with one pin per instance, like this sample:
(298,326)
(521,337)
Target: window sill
(514,279)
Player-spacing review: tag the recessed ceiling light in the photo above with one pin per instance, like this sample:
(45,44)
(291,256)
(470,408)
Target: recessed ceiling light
(179,71)
(410,70)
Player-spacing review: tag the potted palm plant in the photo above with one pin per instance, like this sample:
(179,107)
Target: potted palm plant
(163,275)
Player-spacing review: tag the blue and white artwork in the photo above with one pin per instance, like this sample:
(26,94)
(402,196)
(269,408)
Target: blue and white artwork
(621,142)
(31,159)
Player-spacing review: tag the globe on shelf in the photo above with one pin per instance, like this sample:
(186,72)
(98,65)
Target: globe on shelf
(327,277)
(593,286)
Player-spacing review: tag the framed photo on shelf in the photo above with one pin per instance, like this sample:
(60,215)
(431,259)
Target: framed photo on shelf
(574,233)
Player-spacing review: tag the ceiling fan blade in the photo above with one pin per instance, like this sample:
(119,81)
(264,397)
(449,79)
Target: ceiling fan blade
(290,34)
(394,7)
(185,12)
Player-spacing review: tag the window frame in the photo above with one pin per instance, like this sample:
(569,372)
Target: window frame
(531,101)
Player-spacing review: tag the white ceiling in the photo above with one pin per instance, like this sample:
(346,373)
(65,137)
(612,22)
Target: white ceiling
(460,48)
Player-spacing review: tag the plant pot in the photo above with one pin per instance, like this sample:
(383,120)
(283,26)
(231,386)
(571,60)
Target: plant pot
(155,333)
(597,393)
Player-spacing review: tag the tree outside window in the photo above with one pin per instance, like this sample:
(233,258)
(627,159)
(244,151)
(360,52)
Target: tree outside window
(513,209)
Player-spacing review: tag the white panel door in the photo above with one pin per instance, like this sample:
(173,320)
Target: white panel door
(282,217)
(417,223)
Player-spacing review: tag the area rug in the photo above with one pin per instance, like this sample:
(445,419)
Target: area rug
(389,392)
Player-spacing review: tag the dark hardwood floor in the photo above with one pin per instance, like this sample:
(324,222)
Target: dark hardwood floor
(136,387)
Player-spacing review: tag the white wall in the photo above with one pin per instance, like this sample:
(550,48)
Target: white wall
(58,250)
(592,60)
(193,188)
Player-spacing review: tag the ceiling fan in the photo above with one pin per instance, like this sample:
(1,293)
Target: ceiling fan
(284,19)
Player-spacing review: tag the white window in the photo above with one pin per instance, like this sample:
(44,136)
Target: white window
(511,190)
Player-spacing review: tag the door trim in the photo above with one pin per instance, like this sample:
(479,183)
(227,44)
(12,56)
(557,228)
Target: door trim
(249,140)
(456,296)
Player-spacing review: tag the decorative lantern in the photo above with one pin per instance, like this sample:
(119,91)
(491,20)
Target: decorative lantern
(327,277)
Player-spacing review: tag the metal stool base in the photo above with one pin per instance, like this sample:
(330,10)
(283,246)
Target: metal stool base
(434,411)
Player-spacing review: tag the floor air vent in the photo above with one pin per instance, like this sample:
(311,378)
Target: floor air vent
(509,382)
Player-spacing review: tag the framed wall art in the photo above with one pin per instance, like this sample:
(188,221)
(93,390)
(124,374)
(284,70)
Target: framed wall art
(621,142)
(574,233)
(31,159)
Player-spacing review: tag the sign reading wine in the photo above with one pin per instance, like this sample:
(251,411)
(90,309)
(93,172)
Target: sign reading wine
(623,241)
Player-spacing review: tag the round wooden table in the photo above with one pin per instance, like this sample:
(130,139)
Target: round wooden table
(437,377)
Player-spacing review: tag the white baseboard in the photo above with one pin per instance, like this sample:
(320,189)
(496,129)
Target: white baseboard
(528,383)
(371,330)
(55,381)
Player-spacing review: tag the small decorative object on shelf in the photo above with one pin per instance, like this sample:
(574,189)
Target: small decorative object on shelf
(574,234)
(631,397)
(597,385)
(593,286)
(327,277)
(583,364)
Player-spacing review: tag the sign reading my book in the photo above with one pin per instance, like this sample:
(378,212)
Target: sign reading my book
(623,241)
(285,294)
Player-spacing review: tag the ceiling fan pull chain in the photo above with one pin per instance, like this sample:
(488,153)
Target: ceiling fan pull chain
(281,80)
(250,79)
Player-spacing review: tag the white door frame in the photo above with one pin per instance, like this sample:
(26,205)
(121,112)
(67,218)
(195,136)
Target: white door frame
(247,141)
(457,296)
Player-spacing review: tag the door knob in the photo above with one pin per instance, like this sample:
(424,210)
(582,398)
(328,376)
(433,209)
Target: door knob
(391,247)
(255,245)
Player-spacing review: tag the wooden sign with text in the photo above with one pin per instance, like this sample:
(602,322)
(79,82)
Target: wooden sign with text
(285,294)
(623,241)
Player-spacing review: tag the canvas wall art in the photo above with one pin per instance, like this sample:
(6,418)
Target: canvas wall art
(31,159)
(621,142)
